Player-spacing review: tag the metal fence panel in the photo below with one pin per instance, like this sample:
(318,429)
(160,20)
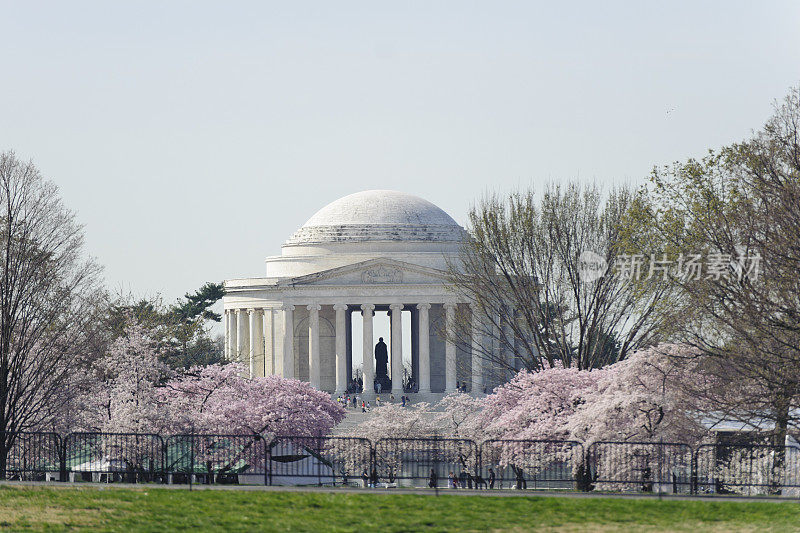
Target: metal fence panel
(748,469)
(331,461)
(109,457)
(224,459)
(32,456)
(411,462)
(641,466)
(416,462)
(532,464)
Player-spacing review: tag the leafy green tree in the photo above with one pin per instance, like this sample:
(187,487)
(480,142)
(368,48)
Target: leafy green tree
(198,305)
(188,319)
(738,210)
(148,313)
(181,331)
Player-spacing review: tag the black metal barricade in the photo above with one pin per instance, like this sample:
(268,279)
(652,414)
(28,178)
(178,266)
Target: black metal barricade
(532,464)
(641,466)
(341,461)
(33,456)
(110,457)
(223,459)
(747,469)
(411,462)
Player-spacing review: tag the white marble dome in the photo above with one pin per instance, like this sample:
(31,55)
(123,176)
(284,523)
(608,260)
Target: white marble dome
(370,225)
(378,215)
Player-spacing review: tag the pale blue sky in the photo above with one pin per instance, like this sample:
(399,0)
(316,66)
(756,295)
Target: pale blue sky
(192,137)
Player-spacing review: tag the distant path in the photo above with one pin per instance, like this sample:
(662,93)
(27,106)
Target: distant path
(452,492)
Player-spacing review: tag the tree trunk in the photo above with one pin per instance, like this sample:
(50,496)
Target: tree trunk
(3,457)
(779,448)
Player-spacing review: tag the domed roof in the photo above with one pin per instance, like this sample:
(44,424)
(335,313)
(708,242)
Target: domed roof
(378,215)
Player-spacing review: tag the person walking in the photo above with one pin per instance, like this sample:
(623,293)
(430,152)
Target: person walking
(491,479)
(432,479)
(451,481)
(520,477)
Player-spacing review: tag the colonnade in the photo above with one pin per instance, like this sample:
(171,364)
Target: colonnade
(250,329)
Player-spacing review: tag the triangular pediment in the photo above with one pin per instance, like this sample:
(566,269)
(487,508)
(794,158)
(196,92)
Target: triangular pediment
(380,271)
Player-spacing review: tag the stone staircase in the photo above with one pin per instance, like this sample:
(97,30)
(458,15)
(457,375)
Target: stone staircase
(355,417)
(352,419)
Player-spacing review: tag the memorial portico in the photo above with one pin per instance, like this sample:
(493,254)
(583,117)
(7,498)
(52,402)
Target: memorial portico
(367,253)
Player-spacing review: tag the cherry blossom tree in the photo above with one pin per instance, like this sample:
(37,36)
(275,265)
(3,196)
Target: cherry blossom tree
(644,398)
(538,405)
(137,394)
(393,420)
(637,402)
(237,417)
(460,416)
(132,391)
(124,398)
(526,420)
(456,416)
(117,403)
(442,433)
(219,399)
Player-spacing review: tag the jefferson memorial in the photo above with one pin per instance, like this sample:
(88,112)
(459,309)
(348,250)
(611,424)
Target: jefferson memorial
(372,251)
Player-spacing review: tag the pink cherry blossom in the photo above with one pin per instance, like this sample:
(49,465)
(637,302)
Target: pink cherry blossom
(124,398)
(538,405)
(219,399)
(643,398)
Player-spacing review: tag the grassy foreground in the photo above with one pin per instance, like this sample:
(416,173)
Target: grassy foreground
(111,509)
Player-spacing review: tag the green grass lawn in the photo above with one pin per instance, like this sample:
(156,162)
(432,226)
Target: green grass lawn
(153,509)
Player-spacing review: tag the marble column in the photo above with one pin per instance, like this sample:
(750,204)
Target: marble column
(424,344)
(450,348)
(242,336)
(267,333)
(253,326)
(477,356)
(228,334)
(288,341)
(368,369)
(397,348)
(313,345)
(341,348)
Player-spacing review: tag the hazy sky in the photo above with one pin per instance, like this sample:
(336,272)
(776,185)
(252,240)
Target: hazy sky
(192,138)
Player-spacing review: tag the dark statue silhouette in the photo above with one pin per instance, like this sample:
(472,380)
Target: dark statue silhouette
(381,365)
